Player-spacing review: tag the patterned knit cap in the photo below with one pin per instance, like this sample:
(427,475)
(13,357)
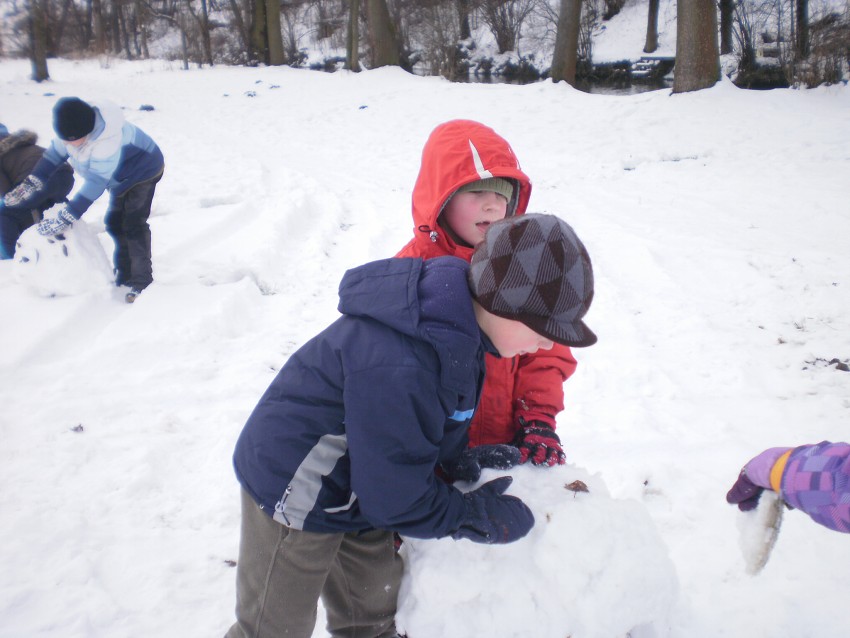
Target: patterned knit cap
(534,269)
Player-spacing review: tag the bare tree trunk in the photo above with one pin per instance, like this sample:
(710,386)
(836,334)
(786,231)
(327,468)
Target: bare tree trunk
(115,28)
(87,23)
(258,31)
(184,48)
(38,41)
(566,43)
(697,56)
(60,24)
(802,29)
(276,56)
(463,9)
(651,28)
(206,45)
(123,33)
(244,36)
(99,31)
(352,45)
(382,34)
(141,18)
(727,14)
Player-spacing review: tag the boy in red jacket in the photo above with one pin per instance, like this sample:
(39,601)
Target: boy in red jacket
(469,178)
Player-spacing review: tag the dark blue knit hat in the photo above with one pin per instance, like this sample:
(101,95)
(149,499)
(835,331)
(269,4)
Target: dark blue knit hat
(73,119)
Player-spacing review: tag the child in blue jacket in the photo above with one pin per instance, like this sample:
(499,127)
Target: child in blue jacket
(110,154)
(343,449)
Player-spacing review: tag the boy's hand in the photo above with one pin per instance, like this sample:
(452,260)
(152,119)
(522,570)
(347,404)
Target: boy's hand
(468,466)
(538,443)
(492,517)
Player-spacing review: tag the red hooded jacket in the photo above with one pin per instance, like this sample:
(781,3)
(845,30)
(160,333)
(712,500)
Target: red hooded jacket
(528,386)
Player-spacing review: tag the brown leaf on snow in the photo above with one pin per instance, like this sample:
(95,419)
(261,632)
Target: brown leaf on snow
(577,486)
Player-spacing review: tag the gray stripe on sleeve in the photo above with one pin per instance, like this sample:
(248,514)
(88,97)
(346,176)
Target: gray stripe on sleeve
(304,489)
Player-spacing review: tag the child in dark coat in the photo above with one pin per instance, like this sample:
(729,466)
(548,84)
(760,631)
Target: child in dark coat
(343,449)
(19,154)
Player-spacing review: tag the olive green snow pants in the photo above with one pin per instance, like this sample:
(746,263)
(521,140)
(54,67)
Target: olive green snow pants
(282,573)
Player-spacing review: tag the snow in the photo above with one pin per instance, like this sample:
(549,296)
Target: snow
(717,222)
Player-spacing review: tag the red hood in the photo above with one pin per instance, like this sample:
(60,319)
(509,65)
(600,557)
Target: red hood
(456,153)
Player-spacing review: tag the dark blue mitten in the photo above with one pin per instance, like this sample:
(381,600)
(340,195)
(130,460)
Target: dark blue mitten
(468,466)
(492,517)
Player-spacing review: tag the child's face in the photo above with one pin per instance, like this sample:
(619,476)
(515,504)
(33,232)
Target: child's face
(509,336)
(468,214)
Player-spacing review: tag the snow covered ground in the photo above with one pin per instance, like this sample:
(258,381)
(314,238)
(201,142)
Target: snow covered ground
(717,222)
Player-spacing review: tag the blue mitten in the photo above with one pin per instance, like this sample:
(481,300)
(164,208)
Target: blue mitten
(468,466)
(53,226)
(493,518)
(24,191)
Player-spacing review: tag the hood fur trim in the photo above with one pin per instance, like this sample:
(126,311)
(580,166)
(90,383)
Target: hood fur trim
(16,140)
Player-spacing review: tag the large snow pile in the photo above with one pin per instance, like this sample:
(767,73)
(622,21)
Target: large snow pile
(592,566)
(71,263)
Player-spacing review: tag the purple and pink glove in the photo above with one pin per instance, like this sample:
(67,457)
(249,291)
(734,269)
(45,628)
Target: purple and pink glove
(754,479)
(538,443)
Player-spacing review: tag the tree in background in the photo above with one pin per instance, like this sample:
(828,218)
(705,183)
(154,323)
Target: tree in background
(273,33)
(505,18)
(652,27)
(566,43)
(697,55)
(727,12)
(352,40)
(438,27)
(464,7)
(802,22)
(383,42)
(38,39)
(777,42)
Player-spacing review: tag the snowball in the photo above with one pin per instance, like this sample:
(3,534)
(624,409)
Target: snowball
(68,264)
(758,529)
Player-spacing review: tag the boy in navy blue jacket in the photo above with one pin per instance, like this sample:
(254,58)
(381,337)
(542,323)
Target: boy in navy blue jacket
(363,429)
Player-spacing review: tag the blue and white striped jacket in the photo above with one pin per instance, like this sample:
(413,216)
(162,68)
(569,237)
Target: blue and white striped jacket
(349,433)
(115,156)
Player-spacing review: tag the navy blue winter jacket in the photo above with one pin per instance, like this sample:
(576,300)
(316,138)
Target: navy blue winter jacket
(349,433)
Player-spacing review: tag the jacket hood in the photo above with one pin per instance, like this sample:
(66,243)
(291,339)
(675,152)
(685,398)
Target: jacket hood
(456,153)
(16,140)
(428,300)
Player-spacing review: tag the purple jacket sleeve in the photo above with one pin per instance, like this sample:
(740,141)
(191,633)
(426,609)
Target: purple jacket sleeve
(816,480)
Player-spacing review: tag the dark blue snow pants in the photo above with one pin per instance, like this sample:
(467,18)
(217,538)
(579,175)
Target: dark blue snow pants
(127,223)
